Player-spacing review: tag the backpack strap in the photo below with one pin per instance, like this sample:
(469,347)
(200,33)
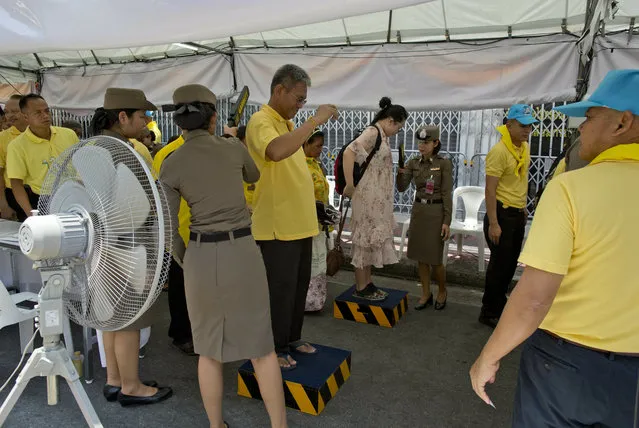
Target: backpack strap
(378,144)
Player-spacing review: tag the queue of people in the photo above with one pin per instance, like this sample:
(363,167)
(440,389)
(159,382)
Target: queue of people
(259,196)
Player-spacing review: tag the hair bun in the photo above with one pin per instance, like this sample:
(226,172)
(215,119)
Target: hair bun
(385,102)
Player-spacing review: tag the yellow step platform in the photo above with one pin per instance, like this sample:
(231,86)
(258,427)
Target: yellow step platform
(385,313)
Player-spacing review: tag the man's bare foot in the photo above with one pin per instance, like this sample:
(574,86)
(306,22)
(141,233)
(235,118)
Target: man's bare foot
(286,361)
(306,348)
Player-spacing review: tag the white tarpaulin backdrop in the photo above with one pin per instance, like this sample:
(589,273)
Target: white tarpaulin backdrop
(611,53)
(429,77)
(84,88)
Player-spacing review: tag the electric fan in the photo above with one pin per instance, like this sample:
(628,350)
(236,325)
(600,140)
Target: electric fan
(101,240)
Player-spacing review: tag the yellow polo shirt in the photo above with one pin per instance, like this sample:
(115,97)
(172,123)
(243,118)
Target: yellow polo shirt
(7,136)
(512,191)
(585,228)
(284,200)
(184,213)
(29,157)
(561,168)
(144,152)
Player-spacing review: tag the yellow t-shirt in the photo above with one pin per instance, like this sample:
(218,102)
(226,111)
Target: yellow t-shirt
(7,136)
(29,157)
(284,201)
(184,213)
(585,228)
(512,191)
(320,184)
(153,126)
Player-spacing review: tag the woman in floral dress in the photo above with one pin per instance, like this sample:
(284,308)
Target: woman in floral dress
(372,221)
(316,296)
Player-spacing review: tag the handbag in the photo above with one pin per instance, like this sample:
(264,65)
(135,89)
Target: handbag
(335,258)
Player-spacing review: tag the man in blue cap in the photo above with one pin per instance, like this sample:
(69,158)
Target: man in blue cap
(507,166)
(576,303)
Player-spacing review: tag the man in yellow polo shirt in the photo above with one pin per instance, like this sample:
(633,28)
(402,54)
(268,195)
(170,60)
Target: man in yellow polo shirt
(31,153)
(9,207)
(576,303)
(507,166)
(284,215)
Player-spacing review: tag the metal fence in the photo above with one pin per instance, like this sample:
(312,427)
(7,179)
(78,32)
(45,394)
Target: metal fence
(546,140)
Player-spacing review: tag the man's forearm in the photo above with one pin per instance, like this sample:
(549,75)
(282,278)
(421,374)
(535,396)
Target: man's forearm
(522,315)
(21,196)
(3,196)
(491,206)
(286,145)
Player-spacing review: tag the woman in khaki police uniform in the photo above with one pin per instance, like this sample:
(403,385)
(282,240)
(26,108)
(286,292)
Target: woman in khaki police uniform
(122,117)
(224,275)
(431,214)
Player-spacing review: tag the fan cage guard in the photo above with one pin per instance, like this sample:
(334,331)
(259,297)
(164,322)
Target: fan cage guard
(102,294)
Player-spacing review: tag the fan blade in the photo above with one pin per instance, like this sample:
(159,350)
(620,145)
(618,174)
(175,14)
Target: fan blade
(138,274)
(70,194)
(131,203)
(95,167)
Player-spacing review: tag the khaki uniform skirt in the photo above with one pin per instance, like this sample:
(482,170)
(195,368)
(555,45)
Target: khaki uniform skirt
(227,299)
(425,243)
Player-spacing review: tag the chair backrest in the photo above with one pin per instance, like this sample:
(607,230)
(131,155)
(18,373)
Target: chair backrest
(473,197)
(7,307)
(331,189)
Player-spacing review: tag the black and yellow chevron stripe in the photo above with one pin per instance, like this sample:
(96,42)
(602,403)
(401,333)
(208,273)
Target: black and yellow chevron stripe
(370,314)
(297,396)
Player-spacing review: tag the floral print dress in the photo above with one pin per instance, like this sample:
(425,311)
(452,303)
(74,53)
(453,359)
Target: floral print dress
(372,222)
(316,296)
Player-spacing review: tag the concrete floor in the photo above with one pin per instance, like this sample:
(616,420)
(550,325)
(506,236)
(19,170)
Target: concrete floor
(414,375)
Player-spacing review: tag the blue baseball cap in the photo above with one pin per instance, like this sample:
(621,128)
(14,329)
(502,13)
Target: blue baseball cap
(619,90)
(149,113)
(522,113)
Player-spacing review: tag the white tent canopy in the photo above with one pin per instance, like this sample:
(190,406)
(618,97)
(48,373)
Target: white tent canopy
(428,54)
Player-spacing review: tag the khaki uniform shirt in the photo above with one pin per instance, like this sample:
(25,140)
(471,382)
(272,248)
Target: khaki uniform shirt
(207,171)
(420,170)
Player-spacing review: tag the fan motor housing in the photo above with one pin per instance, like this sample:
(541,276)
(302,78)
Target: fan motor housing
(53,236)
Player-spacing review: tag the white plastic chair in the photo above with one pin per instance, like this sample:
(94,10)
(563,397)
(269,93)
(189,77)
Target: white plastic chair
(473,197)
(11,314)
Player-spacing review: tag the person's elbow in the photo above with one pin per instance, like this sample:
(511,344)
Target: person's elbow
(275,153)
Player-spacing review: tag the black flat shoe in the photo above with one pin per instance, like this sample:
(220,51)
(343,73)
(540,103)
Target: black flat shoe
(439,306)
(426,304)
(163,393)
(111,392)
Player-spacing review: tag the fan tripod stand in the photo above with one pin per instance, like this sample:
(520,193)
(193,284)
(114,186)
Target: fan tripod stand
(52,359)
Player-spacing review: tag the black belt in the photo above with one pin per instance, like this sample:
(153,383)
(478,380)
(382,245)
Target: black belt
(608,354)
(220,236)
(500,204)
(429,201)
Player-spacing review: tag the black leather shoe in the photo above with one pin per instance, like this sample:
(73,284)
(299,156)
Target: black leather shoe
(426,304)
(439,306)
(163,393)
(111,392)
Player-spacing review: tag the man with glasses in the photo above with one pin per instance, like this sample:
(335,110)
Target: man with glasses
(284,215)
